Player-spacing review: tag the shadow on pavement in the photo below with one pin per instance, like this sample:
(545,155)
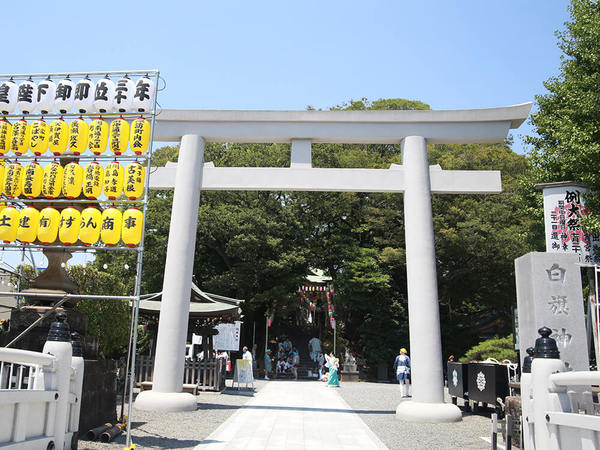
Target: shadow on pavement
(329,410)
(161,442)
(207,406)
(241,392)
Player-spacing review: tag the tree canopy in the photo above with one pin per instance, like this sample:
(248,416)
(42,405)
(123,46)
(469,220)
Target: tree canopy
(567,123)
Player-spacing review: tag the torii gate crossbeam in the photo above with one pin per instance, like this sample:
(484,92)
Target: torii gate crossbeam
(415,178)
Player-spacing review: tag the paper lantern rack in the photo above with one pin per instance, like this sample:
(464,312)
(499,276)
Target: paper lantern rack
(117,97)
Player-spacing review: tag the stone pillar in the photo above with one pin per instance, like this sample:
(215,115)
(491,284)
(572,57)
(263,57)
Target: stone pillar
(167,381)
(427,404)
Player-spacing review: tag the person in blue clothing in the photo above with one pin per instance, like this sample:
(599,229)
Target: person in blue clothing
(402,368)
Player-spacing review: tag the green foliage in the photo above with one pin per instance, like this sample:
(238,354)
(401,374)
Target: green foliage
(567,145)
(497,348)
(107,319)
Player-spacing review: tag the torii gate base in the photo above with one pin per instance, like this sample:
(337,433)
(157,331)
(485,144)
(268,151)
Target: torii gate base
(414,129)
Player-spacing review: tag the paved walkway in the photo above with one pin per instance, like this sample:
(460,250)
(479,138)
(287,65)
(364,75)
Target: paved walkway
(294,415)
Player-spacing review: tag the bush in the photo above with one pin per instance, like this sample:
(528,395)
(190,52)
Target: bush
(497,348)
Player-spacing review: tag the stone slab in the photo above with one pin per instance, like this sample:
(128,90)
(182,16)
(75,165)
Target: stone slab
(549,293)
(294,414)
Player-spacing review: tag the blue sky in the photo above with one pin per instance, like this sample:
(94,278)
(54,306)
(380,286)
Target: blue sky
(287,55)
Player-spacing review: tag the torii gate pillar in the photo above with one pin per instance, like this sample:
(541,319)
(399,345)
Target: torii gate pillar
(167,381)
(423,310)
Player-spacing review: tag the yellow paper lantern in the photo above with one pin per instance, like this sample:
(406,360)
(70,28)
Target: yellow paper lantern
(134,180)
(59,137)
(68,229)
(72,180)
(52,181)
(111,226)
(5,136)
(78,136)
(13,180)
(39,137)
(9,224)
(29,219)
(133,225)
(93,179)
(113,180)
(20,137)
(119,136)
(98,136)
(48,225)
(140,135)
(91,223)
(32,180)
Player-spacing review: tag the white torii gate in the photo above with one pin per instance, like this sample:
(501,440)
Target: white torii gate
(415,178)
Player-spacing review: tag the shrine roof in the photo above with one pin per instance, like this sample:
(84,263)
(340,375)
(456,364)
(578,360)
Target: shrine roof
(202,304)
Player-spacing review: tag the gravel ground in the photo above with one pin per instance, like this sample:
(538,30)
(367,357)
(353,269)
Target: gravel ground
(376,404)
(181,430)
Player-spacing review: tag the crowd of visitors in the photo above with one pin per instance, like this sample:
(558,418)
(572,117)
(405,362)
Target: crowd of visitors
(286,360)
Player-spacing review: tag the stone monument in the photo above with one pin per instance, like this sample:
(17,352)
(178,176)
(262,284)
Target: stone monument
(549,293)
(350,370)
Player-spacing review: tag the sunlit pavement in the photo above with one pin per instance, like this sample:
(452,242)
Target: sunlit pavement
(294,415)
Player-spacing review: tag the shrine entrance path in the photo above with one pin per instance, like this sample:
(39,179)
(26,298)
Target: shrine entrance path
(294,415)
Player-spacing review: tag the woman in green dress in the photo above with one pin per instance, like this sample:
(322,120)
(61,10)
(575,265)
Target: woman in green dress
(332,378)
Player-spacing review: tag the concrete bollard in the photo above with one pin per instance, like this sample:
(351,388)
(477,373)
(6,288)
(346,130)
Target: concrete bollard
(526,401)
(77,365)
(546,395)
(58,344)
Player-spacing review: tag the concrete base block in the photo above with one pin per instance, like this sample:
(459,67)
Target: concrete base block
(165,401)
(411,411)
(350,376)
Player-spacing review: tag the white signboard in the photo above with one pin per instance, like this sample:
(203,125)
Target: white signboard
(243,372)
(563,206)
(228,337)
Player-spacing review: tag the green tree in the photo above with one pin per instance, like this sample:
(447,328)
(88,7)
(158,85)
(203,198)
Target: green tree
(108,319)
(567,123)
(497,348)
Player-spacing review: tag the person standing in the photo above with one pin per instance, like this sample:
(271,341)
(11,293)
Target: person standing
(321,362)
(287,345)
(332,377)
(314,348)
(402,368)
(295,361)
(247,355)
(267,363)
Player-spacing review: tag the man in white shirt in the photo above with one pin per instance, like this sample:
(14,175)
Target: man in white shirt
(247,355)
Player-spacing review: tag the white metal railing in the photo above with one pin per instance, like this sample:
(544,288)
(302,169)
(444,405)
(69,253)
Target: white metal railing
(18,376)
(558,411)
(40,395)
